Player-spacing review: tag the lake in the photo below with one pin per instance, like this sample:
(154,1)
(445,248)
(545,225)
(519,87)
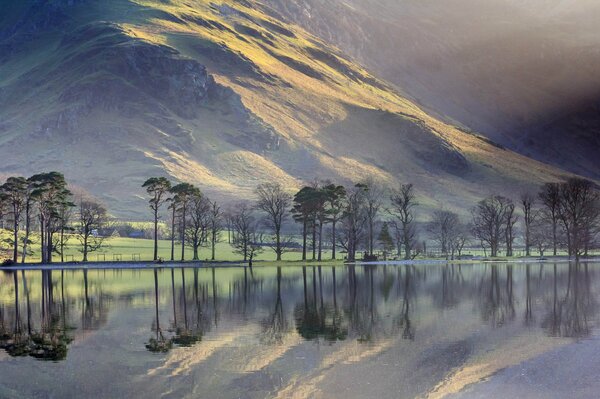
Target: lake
(365,331)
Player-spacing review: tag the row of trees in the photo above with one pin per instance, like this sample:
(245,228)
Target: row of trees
(44,203)
(560,215)
(355,218)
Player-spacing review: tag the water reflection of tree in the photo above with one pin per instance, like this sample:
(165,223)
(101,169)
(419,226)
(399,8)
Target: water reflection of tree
(408,330)
(160,343)
(95,307)
(497,297)
(275,326)
(571,315)
(317,317)
(48,342)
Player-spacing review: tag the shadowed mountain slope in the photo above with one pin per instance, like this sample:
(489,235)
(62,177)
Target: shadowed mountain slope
(223,94)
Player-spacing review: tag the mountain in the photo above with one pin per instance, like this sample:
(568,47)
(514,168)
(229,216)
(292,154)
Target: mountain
(224,94)
(523,73)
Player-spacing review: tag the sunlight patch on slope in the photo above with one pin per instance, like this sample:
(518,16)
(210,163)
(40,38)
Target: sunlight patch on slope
(356,170)
(183,168)
(248,169)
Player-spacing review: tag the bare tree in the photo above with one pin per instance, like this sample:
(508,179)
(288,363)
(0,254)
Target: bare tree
(443,229)
(373,201)
(489,217)
(247,241)
(541,234)
(92,217)
(353,221)
(460,239)
(403,202)
(275,203)
(216,226)
(527,204)
(197,229)
(510,219)
(579,211)
(550,198)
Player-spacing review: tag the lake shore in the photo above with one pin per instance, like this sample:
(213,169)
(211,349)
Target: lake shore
(264,263)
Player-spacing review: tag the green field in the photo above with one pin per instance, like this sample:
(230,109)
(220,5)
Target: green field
(130,249)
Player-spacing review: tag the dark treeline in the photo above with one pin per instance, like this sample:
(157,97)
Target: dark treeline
(367,219)
(44,204)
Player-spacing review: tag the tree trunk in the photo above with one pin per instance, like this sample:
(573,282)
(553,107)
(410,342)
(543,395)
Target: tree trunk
(85,244)
(27,228)
(333,239)
(15,242)
(371,236)
(183,234)
(213,244)
(62,244)
(304,234)
(156,234)
(278,242)
(173,235)
(314,239)
(320,240)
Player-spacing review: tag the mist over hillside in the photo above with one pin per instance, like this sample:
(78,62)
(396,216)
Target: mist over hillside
(524,73)
(226,95)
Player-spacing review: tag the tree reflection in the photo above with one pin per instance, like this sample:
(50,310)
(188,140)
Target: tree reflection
(319,319)
(275,325)
(571,315)
(497,304)
(50,341)
(158,344)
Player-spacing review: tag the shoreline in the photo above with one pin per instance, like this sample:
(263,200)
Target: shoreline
(135,265)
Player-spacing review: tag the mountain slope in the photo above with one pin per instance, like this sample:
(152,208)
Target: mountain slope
(223,94)
(524,73)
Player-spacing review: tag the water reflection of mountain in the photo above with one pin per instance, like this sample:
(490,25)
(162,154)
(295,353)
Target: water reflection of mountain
(42,312)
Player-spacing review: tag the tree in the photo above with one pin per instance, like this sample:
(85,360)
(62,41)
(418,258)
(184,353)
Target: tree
(443,228)
(403,202)
(579,211)
(386,240)
(303,211)
(199,221)
(460,239)
(489,217)
(527,203)
(14,191)
(541,234)
(275,203)
(65,215)
(550,198)
(335,198)
(353,220)
(92,217)
(216,226)
(247,242)
(50,192)
(510,219)
(373,201)
(158,188)
(182,194)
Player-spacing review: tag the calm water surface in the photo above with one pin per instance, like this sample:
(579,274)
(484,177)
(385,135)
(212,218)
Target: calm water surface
(291,332)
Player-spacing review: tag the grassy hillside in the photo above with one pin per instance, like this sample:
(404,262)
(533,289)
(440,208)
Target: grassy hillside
(222,94)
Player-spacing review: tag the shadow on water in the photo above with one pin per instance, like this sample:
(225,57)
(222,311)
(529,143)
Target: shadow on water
(43,312)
